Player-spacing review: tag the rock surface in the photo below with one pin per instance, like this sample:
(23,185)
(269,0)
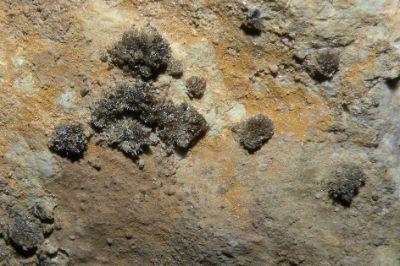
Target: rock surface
(326,73)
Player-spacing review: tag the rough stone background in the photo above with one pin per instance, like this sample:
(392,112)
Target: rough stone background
(218,204)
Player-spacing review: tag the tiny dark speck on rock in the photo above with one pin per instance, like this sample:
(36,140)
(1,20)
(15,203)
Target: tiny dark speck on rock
(69,140)
(253,24)
(128,117)
(143,53)
(129,136)
(393,84)
(25,233)
(44,212)
(104,57)
(170,192)
(196,86)
(140,164)
(95,164)
(347,181)
(175,68)
(323,64)
(182,126)
(84,91)
(254,132)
